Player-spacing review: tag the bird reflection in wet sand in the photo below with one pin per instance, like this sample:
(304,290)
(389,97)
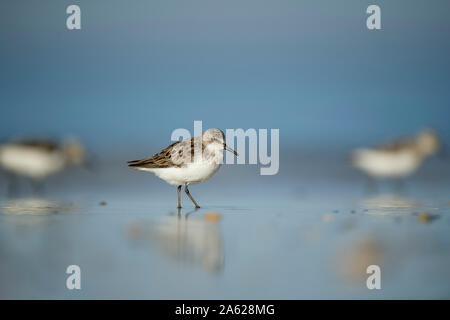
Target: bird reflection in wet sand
(32,211)
(389,204)
(29,206)
(398,159)
(353,260)
(36,160)
(395,205)
(187,239)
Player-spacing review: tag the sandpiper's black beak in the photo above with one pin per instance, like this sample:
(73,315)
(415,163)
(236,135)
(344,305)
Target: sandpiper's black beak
(225,147)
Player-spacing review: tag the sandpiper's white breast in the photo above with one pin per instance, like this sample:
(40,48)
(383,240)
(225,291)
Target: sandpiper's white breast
(191,174)
(31,162)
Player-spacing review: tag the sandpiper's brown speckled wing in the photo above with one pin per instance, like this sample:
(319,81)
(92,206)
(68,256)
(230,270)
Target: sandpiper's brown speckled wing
(397,145)
(46,145)
(163,159)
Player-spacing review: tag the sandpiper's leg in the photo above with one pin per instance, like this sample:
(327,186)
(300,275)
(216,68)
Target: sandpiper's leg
(179,201)
(399,185)
(37,186)
(371,185)
(189,195)
(12,185)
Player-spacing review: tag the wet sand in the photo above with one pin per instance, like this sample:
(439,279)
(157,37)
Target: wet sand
(309,232)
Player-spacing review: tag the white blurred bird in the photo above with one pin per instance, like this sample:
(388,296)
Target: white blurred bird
(39,159)
(398,159)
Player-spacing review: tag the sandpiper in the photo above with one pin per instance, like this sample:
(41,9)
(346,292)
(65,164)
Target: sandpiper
(38,159)
(398,159)
(187,162)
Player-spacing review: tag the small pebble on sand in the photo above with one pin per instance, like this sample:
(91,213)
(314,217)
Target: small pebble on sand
(212,216)
(327,217)
(425,217)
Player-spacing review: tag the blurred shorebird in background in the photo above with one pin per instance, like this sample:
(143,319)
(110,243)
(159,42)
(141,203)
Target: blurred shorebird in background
(38,159)
(398,159)
(187,161)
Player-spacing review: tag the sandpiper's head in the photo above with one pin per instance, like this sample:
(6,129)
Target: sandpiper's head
(428,142)
(215,138)
(74,152)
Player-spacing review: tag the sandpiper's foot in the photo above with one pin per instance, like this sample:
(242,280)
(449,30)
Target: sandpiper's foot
(179,201)
(190,197)
(189,213)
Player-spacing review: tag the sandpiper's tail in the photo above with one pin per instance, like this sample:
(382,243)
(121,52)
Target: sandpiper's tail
(141,164)
(134,163)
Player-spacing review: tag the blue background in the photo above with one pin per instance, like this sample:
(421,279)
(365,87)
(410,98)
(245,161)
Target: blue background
(139,69)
